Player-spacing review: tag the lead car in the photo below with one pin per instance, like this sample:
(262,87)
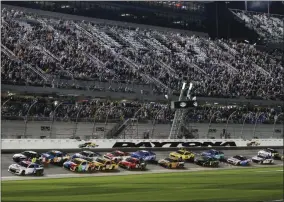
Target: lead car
(26,168)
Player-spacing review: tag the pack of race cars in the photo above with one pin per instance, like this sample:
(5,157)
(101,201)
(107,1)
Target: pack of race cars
(33,163)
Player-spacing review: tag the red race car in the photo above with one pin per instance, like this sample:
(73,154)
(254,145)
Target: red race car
(132,163)
(116,155)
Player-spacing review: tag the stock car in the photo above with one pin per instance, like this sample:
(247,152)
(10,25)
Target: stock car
(25,155)
(79,165)
(182,155)
(144,155)
(215,154)
(26,168)
(261,159)
(87,155)
(54,157)
(207,161)
(116,155)
(132,163)
(105,164)
(88,145)
(238,160)
(270,152)
(171,163)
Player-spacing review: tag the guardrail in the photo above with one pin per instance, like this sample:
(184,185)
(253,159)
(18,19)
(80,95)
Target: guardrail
(10,151)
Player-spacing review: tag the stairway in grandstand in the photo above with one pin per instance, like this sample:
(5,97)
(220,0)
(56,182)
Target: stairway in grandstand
(122,129)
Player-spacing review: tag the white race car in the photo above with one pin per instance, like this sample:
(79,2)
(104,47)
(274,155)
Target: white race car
(87,155)
(238,160)
(117,155)
(26,168)
(25,155)
(270,152)
(262,159)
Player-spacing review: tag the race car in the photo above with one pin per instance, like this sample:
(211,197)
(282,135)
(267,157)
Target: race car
(238,160)
(79,165)
(270,152)
(215,154)
(261,159)
(132,163)
(207,161)
(253,144)
(103,164)
(171,163)
(87,155)
(144,155)
(25,155)
(88,145)
(182,154)
(54,157)
(26,168)
(116,155)
(282,158)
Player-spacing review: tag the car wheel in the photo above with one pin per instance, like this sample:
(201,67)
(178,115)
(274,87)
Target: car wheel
(180,159)
(170,166)
(76,169)
(90,170)
(128,167)
(260,162)
(23,173)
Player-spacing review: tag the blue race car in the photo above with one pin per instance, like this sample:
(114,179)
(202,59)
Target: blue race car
(214,153)
(54,157)
(144,155)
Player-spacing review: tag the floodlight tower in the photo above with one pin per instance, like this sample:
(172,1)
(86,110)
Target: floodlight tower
(181,106)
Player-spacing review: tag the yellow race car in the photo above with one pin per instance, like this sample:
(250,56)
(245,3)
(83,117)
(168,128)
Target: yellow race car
(105,164)
(182,155)
(171,163)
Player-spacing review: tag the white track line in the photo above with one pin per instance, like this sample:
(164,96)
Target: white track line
(73,175)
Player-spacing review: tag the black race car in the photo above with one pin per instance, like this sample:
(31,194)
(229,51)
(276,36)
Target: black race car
(207,161)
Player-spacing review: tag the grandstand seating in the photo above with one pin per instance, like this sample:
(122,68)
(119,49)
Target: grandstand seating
(42,51)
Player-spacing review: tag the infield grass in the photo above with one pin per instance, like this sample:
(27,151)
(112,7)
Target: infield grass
(252,184)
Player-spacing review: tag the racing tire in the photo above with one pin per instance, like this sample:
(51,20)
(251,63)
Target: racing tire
(76,170)
(128,167)
(39,173)
(23,173)
(260,162)
(170,166)
(191,160)
(90,170)
(180,159)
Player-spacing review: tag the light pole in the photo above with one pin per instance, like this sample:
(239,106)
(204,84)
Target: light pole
(76,123)
(217,112)
(95,116)
(26,118)
(231,115)
(53,118)
(256,123)
(250,113)
(137,119)
(154,121)
(275,120)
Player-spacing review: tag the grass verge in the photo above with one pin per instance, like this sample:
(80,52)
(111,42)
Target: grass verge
(252,184)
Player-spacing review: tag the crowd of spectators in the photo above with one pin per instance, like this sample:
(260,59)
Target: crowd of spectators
(269,27)
(46,51)
(86,110)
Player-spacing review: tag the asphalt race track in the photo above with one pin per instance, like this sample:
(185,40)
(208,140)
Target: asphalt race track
(58,172)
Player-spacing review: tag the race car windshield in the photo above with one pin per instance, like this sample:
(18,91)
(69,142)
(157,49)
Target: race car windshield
(84,153)
(117,153)
(130,160)
(240,158)
(101,161)
(168,159)
(179,152)
(76,161)
(24,164)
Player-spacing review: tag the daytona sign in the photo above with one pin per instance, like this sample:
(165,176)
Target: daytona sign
(175,144)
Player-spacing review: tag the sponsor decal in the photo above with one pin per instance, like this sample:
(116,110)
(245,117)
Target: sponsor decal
(175,144)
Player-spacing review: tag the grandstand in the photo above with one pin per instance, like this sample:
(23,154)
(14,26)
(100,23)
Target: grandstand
(46,57)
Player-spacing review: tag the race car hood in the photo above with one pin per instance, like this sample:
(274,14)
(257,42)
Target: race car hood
(109,155)
(69,163)
(136,155)
(16,166)
(163,161)
(19,155)
(175,154)
(77,155)
(257,158)
(46,155)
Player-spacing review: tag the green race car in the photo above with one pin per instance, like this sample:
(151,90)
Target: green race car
(207,161)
